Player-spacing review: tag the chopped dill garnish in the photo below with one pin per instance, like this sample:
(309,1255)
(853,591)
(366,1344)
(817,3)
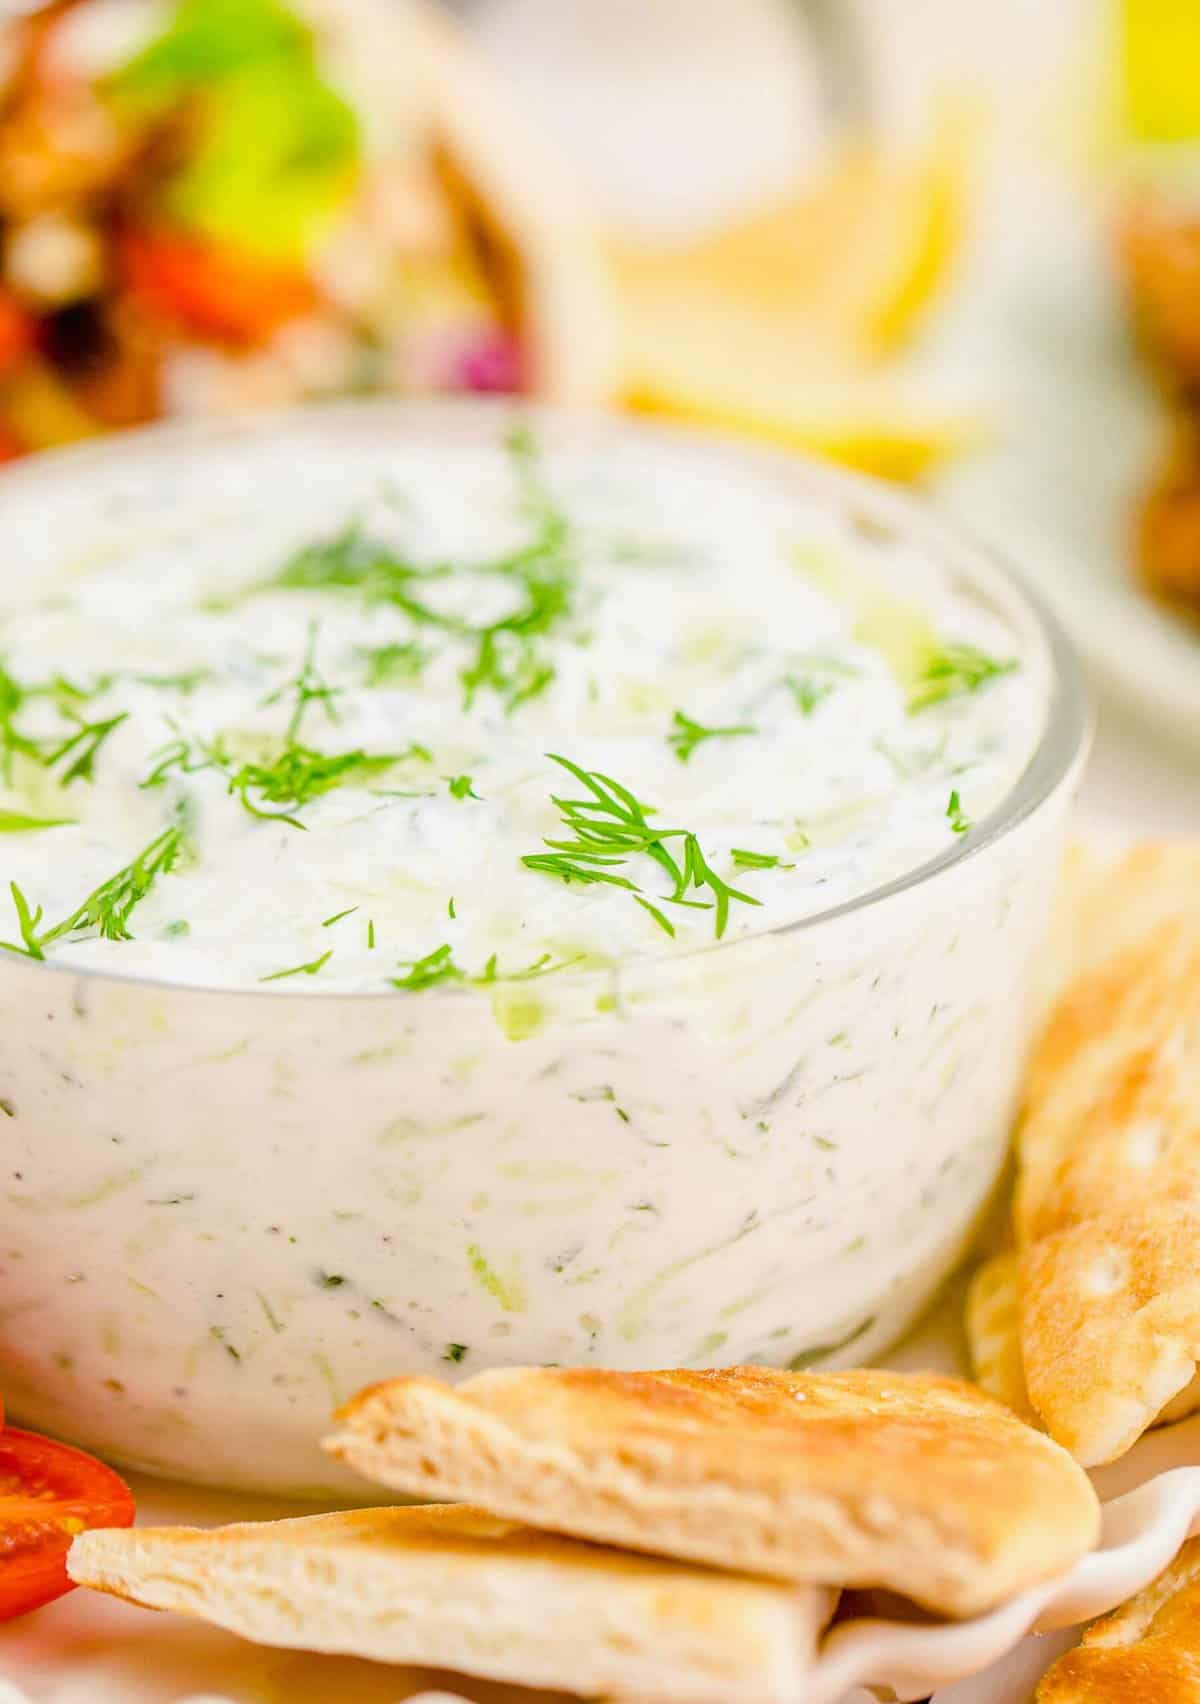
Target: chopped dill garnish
(455,1352)
(959,822)
(187,682)
(439,967)
(352,561)
(308,688)
(819,679)
(450,911)
(688,734)
(953,671)
(338,915)
(108,908)
(461,787)
(610,827)
(391,665)
(188,760)
(309,969)
(16,822)
(436,967)
(544,966)
(744,860)
(370,934)
(299,773)
(82,747)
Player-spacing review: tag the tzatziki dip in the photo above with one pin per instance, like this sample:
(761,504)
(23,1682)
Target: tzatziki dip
(635,819)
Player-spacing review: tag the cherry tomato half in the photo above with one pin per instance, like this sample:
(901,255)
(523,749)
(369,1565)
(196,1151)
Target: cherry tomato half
(48,1493)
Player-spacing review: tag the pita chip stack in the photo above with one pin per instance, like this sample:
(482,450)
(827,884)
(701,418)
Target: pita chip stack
(455,1588)
(1104,1290)
(917,1484)
(1146,1652)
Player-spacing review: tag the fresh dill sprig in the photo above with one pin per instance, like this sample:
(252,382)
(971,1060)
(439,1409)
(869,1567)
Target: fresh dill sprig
(611,826)
(507,656)
(82,747)
(461,787)
(108,908)
(819,677)
(338,915)
(309,969)
(954,671)
(392,665)
(439,967)
(17,822)
(180,754)
(543,966)
(959,822)
(353,561)
(436,967)
(687,734)
(744,860)
(298,775)
(307,688)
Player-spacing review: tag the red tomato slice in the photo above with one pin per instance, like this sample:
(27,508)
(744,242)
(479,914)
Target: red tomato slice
(48,1493)
(214,291)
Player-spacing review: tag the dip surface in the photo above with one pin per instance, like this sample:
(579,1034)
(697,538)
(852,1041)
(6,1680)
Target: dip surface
(293,717)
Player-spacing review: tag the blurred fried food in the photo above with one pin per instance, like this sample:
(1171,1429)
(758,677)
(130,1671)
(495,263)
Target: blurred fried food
(1159,248)
(1168,523)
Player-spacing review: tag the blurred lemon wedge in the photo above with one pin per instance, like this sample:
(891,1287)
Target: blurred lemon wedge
(778,326)
(876,424)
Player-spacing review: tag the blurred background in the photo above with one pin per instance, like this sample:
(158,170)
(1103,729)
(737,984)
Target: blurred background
(949,243)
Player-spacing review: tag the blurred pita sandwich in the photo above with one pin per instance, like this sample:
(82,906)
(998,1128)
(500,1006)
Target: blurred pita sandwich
(915,1483)
(458,1589)
(212,205)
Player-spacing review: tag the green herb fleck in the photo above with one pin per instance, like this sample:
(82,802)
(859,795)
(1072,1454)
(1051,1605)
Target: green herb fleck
(338,915)
(15,822)
(454,1352)
(370,934)
(952,672)
(689,734)
(300,969)
(436,967)
(83,747)
(461,787)
(450,911)
(744,860)
(392,665)
(959,822)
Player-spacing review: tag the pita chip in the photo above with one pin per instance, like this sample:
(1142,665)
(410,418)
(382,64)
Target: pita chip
(1146,1652)
(458,1589)
(919,1484)
(1107,1205)
(993,1322)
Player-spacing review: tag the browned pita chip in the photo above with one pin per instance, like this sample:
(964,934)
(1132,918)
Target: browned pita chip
(1146,1652)
(920,1484)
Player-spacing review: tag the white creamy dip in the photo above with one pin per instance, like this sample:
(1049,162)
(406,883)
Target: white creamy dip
(516,1119)
(285,669)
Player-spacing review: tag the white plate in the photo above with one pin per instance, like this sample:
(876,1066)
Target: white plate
(1043,338)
